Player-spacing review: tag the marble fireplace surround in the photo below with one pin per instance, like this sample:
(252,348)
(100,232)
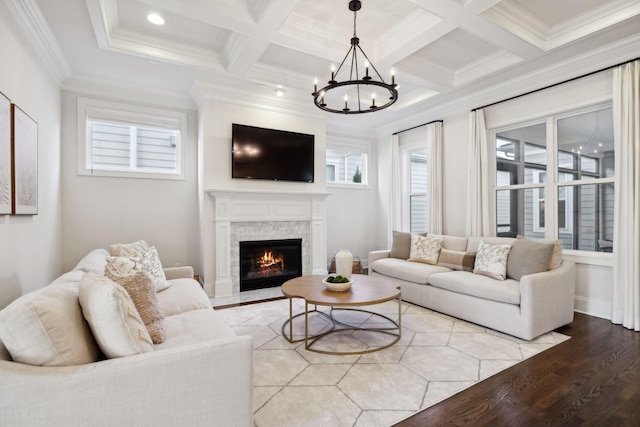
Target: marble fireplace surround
(259,215)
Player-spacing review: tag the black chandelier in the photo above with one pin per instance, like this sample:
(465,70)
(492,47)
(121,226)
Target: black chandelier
(360,87)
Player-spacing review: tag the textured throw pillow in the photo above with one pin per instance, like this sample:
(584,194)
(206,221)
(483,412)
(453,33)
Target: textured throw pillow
(46,328)
(528,257)
(129,249)
(457,260)
(113,317)
(491,260)
(425,249)
(151,264)
(139,285)
(401,245)
(147,261)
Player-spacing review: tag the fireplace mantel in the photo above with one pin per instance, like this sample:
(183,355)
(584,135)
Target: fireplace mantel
(255,206)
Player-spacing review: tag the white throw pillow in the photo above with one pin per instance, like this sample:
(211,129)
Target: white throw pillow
(425,249)
(113,318)
(46,327)
(491,260)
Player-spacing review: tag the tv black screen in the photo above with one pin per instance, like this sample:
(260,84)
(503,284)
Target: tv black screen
(270,154)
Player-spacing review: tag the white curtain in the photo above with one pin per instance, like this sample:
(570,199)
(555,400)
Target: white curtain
(626,239)
(434,147)
(478,185)
(395,202)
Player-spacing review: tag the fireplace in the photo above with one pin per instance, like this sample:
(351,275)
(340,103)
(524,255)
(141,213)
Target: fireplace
(269,263)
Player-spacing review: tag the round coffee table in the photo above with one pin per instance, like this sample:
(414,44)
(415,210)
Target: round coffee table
(365,290)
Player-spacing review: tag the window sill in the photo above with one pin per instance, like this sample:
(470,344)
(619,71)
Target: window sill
(131,174)
(604,259)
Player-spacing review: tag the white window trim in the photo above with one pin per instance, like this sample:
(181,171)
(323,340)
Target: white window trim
(579,256)
(350,146)
(131,114)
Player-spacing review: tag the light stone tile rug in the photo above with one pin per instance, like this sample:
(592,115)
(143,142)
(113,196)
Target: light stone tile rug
(437,357)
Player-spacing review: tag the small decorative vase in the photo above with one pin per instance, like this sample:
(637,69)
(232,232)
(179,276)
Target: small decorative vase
(344,263)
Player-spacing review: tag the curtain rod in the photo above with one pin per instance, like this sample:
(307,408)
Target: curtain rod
(556,84)
(424,124)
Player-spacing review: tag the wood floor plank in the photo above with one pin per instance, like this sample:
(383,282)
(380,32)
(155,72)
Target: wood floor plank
(592,379)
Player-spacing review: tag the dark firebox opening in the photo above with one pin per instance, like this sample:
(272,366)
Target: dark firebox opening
(269,263)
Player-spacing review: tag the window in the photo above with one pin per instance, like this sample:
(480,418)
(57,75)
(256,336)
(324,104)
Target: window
(346,166)
(418,191)
(576,206)
(129,141)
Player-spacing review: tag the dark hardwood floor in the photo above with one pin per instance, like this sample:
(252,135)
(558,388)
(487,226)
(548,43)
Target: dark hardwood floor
(593,379)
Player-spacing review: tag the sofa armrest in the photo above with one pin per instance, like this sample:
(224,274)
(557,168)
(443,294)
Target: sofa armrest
(547,298)
(376,255)
(202,384)
(184,272)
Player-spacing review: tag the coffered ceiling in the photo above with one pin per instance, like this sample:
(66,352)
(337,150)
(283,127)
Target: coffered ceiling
(441,50)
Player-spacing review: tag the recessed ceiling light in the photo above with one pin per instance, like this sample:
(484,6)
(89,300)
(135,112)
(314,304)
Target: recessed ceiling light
(156,19)
(279,91)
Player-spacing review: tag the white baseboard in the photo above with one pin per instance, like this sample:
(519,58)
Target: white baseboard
(593,307)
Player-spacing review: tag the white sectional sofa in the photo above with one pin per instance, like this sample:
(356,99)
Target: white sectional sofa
(536,301)
(201,375)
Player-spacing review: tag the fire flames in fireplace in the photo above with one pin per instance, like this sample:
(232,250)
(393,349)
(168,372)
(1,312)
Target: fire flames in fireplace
(265,263)
(269,263)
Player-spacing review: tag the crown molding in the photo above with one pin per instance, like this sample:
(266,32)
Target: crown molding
(486,66)
(517,20)
(29,17)
(201,92)
(594,20)
(128,92)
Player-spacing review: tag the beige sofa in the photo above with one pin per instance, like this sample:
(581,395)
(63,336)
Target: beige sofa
(201,375)
(526,308)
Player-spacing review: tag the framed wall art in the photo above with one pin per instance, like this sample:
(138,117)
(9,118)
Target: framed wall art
(5,156)
(24,143)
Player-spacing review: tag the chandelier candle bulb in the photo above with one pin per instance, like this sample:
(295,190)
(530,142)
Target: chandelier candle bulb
(315,85)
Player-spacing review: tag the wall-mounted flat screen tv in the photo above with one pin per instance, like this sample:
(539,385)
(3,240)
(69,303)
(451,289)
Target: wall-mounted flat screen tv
(275,155)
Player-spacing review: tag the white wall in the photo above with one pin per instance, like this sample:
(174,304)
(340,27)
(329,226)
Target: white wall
(30,245)
(99,211)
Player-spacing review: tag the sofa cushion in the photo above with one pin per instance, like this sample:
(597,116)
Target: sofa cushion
(140,286)
(425,249)
(183,295)
(457,260)
(507,291)
(46,327)
(528,257)
(113,317)
(129,249)
(408,271)
(93,262)
(556,257)
(401,246)
(194,326)
(491,260)
(453,243)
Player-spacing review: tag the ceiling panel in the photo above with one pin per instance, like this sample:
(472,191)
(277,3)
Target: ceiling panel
(177,30)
